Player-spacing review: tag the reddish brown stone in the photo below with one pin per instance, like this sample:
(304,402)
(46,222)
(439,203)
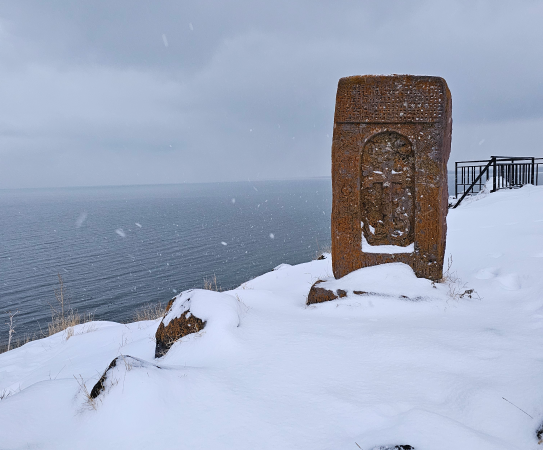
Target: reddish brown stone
(392,137)
(177,328)
(319,295)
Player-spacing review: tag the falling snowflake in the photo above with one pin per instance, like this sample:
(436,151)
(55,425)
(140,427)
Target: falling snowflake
(120,232)
(82,217)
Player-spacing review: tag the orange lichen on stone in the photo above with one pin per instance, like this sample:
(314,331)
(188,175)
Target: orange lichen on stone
(392,138)
(177,328)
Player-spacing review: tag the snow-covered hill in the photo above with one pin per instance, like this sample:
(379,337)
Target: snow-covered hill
(437,371)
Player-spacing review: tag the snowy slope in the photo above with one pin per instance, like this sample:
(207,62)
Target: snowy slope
(267,372)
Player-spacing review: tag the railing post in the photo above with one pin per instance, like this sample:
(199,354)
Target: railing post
(533,171)
(456,179)
(495,175)
(466,192)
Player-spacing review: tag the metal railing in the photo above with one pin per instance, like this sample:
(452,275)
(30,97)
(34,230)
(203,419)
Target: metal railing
(506,172)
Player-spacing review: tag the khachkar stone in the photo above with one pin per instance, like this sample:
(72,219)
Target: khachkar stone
(392,139)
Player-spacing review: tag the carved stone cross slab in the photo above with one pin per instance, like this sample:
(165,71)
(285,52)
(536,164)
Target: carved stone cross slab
(392,139)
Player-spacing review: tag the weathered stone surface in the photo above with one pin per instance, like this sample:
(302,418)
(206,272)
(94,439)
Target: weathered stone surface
(387,191)
(319,295)
(100,384)
(108,379)
(177,328)
(391,143)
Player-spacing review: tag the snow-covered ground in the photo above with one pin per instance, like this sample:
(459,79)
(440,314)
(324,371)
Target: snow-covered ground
(436,370)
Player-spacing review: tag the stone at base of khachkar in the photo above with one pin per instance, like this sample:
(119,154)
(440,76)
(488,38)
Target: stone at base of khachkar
(320,295)
(395,282)
(392,138)
(171,331)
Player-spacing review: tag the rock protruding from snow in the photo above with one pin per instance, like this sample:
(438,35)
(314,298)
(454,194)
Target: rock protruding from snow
(107,380)
(539,434)
(396,447)
(191,311)
(318,294)
(178,321)
(394,280)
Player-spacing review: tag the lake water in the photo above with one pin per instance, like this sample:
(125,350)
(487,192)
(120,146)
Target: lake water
(118,248)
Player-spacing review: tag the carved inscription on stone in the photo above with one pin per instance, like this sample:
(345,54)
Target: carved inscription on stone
(389,101)
(387,194)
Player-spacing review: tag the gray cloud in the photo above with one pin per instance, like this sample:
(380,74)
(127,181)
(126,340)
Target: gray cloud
(91,94)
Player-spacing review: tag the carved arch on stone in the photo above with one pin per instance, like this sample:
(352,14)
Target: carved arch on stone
(387,189)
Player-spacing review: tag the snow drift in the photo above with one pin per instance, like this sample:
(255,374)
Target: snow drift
(409,362)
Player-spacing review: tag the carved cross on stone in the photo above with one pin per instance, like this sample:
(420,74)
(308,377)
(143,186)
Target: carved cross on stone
(387,191)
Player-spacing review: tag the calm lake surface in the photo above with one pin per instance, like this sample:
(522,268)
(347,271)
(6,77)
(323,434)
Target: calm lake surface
(118,248)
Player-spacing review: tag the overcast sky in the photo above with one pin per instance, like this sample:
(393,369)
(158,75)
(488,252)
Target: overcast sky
(122,92)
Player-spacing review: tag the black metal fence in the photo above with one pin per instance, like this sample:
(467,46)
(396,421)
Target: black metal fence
(506,172)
